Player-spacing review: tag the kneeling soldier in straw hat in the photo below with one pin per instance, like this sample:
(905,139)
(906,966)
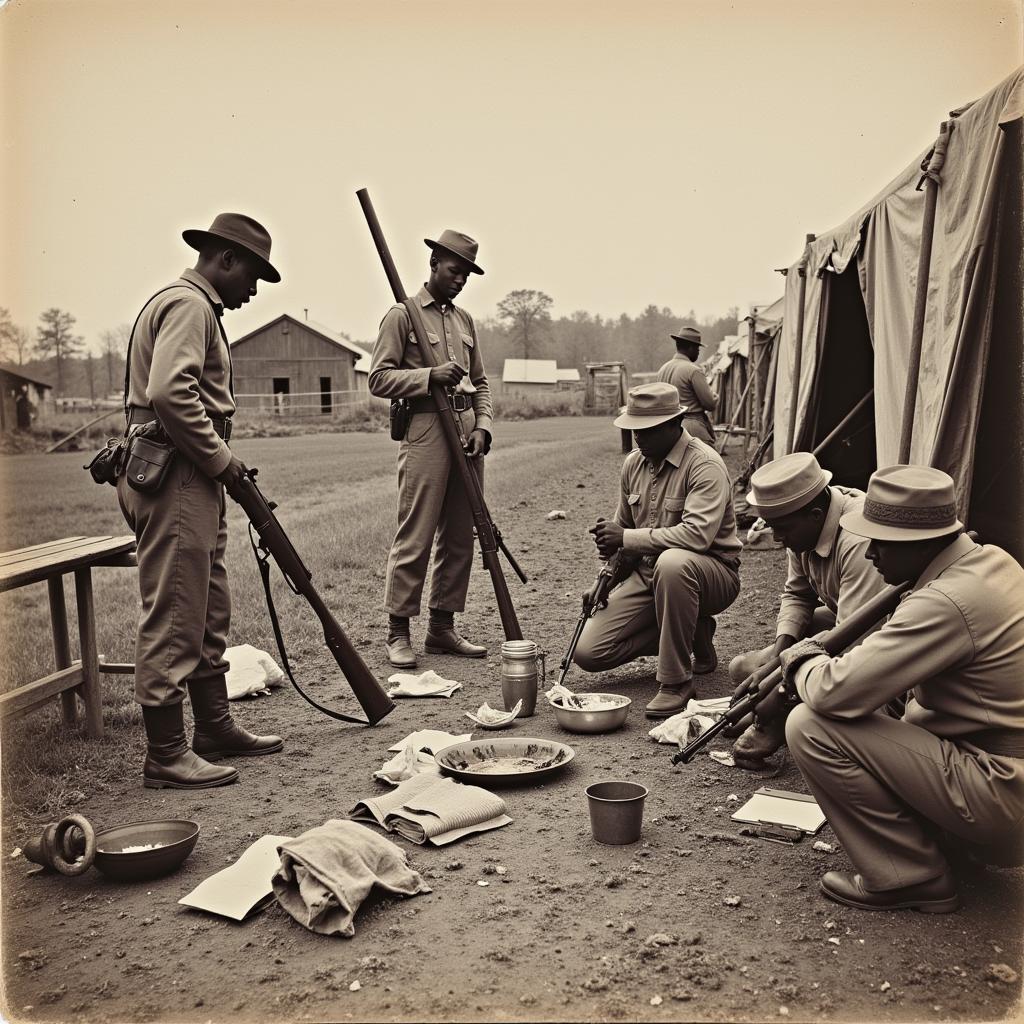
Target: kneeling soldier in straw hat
(828,575)
(675,516)
(431,498)
(179,372)
(695,393)
(955,762)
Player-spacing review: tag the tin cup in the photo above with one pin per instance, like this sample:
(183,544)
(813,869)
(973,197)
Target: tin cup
(522,672)
(616,811)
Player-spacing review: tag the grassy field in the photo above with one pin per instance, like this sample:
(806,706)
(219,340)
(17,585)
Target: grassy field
(337,501)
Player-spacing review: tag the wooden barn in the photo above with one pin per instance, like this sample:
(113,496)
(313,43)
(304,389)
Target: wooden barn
(296,368)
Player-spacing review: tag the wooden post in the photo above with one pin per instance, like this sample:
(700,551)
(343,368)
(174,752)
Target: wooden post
(930,180)
(91,692)
(754,420)
(798,354)
(61,644)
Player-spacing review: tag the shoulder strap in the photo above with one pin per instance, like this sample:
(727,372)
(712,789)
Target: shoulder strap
(131,338)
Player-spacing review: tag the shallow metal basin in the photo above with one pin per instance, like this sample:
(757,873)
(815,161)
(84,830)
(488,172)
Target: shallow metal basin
(611,715)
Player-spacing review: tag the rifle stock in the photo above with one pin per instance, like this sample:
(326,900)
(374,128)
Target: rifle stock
(371,695)
(487,533)
(835,641)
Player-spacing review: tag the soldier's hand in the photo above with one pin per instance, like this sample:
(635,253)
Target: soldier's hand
(447,374)
(607,537)
(773,705)
(479,443)
(233,475)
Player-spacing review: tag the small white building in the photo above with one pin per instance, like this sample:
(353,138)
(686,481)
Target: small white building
(537,376)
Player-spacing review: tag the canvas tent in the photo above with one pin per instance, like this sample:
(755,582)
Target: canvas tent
(859,287)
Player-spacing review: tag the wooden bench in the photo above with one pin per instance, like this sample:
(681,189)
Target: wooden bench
(50,563)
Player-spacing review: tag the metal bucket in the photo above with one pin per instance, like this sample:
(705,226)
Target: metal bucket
(616,811)
(522,670)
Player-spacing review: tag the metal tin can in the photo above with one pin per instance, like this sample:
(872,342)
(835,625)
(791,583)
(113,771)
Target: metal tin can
(523,669)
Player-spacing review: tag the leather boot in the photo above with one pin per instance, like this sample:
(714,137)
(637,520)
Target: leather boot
(398,645)
(670,699)
(442,637)
(936,896)
(705,658)
(217,733)
(760,740)
(169,762)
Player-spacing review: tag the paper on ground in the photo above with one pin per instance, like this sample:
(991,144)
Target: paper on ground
(780,807)
(696,718)
(239,889)
(431,740)
(426,684)
(251,671)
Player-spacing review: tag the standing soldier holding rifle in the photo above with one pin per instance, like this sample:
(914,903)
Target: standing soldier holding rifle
(432,500)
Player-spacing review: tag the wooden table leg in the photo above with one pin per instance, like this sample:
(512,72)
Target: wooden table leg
(90,659)
(61,643)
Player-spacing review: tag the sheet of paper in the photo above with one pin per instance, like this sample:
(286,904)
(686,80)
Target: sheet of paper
(781,808)
(431,739)
(239,889)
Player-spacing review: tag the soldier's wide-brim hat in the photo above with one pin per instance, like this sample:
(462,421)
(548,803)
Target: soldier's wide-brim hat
(786,485)
(906,503)
(647,405)
(690,334)
(458,244)
(242,231)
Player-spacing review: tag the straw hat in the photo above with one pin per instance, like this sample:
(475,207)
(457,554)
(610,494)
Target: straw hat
(647,405)
(459,245)
(906,503)
(241,230)
(787,484)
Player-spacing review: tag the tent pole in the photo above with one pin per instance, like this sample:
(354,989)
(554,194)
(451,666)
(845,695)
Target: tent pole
(735,417)
(821,446)
(755,366)
(799,351)
(931,167)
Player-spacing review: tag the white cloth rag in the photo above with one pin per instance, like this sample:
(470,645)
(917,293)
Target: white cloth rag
(251,671)
(697,717)
(327,872)
(426,684)
(415,755)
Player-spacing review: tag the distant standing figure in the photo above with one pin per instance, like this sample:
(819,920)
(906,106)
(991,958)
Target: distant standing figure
(23,408)
(432,502)
(695,393)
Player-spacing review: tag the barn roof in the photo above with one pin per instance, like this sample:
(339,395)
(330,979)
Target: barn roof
(567,374)
(16,371)
(311,325)
(530,371)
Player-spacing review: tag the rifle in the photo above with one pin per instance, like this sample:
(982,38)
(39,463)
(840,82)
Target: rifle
(274,541)
(487,533)
(835,641)
(595,598)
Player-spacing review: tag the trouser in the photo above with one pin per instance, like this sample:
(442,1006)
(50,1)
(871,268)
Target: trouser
(432,503)
(654,611)
(881,781)
(700,427)
(821,619)
(181,535)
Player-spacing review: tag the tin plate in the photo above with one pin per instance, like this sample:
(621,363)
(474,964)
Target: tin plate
(504,761)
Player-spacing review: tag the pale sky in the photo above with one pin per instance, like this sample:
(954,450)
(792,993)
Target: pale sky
(611,154)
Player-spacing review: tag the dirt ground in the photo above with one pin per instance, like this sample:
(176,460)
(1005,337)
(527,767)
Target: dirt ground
(694,922)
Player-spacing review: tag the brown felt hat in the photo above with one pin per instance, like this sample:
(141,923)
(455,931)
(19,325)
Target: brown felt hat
(240,230)
(786,484)
(459,245)
(690,334)
(906,503)
(647,405)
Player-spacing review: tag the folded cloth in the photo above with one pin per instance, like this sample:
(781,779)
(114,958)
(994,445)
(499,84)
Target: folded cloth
(327,872)
(697,717)
(426,684)
(436,810)
(250,671)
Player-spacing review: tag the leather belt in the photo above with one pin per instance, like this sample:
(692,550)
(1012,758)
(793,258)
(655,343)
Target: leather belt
(139,414)
(460,403)
(1003,742)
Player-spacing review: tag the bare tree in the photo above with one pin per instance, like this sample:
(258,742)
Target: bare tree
(113,351)
(8,332)
(526,312)
(56,340)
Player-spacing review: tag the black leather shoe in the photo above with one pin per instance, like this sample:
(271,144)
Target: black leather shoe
(759,741)
(705,658)
(400,652)
(169,762)
(217,734)
(448,641)
(936,896)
